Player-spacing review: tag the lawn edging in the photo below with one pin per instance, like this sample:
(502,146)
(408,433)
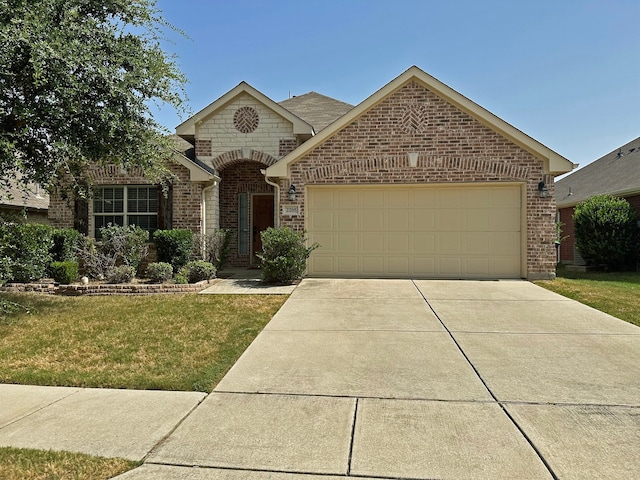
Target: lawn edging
(105,288)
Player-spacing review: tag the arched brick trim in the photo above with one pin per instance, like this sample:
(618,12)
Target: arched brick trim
(234,157)
(425,162)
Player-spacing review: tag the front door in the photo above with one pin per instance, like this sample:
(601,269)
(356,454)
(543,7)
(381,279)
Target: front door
(262,218)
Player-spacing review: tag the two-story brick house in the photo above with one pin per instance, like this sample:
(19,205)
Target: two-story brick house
(415,181)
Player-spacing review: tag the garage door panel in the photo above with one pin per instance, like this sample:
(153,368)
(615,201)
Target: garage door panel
(372,265)
(397,221)
(346,199)
(347,242)
(346,220)
(423,220)
(423,243)
(460,231)
(372,220)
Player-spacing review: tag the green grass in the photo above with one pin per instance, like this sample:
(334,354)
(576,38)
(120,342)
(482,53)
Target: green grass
(615,293)
(163,342)
(20,464)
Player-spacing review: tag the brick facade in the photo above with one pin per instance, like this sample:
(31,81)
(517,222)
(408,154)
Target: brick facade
(453,147)
(186,196)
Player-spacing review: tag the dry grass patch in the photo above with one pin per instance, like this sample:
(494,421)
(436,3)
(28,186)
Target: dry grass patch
(20,464)
(163,342)
(615,293)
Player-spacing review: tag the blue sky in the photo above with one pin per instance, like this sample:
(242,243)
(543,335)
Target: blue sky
(566,72)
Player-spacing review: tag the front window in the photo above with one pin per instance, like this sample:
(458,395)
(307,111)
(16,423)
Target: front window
(126,205)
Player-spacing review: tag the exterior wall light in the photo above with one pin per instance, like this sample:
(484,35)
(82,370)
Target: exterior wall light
(292,193)
(543,191)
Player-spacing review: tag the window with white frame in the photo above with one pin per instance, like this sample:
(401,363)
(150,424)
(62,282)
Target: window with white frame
(126,205)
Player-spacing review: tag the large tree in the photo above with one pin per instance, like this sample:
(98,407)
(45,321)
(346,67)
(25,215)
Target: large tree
(77,79)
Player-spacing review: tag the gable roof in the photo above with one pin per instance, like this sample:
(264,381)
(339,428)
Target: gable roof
(187,129)
(616,173)
(316,109)
(554,163)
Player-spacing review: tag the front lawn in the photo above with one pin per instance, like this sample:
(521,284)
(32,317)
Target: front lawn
(20,464)
(616,293)
(158,342)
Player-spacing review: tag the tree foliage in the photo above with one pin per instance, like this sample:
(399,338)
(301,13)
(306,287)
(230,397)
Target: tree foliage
(77,79)
(606,231)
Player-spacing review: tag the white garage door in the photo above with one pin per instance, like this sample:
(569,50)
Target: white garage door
(462,231)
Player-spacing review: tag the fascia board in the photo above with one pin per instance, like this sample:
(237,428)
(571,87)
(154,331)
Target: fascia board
(196,172)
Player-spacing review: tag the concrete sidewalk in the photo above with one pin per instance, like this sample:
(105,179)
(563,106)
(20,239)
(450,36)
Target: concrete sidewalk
(386,379)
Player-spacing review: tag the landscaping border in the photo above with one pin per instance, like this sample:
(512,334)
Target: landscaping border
(105,289)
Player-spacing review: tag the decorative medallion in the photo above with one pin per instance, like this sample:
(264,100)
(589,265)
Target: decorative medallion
(246,119)
(413,119)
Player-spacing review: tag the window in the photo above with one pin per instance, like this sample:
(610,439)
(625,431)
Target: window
(126,205)
(243,224)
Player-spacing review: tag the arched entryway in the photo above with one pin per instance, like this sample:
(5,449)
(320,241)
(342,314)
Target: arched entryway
(246,208)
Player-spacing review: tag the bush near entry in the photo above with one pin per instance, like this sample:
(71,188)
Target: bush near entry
(284,255)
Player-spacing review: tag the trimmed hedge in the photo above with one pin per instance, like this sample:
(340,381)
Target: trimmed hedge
(64,272)
(284,255)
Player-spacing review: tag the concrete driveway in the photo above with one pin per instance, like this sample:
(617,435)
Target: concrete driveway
(420,380)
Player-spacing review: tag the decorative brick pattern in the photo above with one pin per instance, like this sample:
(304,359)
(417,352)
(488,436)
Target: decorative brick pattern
(220,130)
(235,157)
(246,119)
(453,148)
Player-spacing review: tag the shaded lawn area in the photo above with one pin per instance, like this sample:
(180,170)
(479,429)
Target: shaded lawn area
(615,293)
(157,342)
(20,464)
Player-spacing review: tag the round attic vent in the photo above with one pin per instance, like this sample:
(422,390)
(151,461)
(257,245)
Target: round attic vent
(246,119)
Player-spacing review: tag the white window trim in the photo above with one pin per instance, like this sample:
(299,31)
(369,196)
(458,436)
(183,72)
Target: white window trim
(93,215)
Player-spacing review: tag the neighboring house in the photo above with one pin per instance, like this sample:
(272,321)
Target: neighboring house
(415,181)
(31,204)
(617,173)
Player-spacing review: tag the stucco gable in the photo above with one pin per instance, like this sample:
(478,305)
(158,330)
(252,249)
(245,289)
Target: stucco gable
(554,164)
(187,129)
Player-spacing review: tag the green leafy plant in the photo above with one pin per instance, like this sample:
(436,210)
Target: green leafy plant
(197,271)
(174,246)
(606,231)
(64,272)
(65,244)
(121,274)
(27,247)
(284,255)
(159,272)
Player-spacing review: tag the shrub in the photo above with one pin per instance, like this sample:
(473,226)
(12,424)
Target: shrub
(121,274)
(93,261)
(159,272)
(198,270)
(213,248)
(27,248)
(5,269)
(65,244)
(606,231)
(64,272)
(284,255)
(127,244)
(173,246)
